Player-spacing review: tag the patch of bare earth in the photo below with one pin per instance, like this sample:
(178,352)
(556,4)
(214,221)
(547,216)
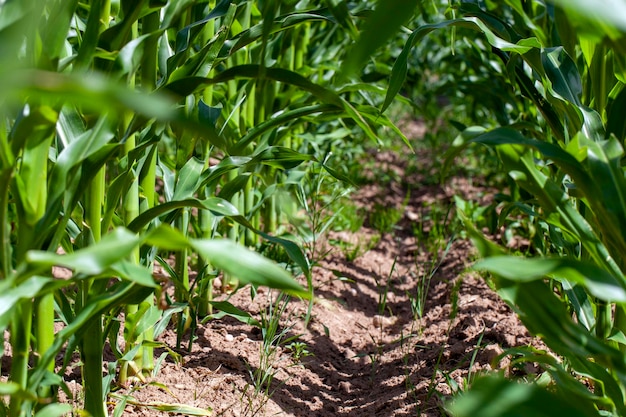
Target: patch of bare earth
(370,355)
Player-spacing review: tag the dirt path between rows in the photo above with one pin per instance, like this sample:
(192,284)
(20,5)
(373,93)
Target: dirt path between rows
(365,352)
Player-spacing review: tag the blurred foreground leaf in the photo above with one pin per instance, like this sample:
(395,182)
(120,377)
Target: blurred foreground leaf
(494,396)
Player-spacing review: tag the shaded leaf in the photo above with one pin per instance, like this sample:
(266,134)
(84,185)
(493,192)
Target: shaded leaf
(383,23)
(494,396)
(228,309)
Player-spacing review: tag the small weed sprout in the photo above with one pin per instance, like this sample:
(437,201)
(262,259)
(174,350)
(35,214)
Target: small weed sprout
(318,194)
(298,350)
(275,338)
(383,218)
(383,290)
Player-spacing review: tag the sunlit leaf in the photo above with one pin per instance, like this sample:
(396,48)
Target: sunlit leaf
(94,259)
(249,267)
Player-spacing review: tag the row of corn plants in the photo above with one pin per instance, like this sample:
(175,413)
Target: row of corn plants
(559,134)
(143,133)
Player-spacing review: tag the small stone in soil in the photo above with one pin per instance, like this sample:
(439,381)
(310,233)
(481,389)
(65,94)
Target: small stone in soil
(349,354)
(344,386)
(380,321)
(229,337)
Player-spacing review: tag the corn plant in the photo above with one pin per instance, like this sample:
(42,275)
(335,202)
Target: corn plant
(563,149)
(143,132)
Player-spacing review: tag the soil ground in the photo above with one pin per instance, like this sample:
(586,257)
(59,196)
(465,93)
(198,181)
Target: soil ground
(366,350)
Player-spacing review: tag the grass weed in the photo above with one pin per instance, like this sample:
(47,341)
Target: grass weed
(383,218)
(276,339)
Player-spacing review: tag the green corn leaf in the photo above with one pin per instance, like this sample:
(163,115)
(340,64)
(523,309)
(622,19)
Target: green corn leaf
(247,266)
(12,12)
(384,22)
(216,205)
(227,309)
(603,17)
(233,186)
(565,379)
(14,390)
(277,74)
(374,116)
(551,196)
(94,259)
(93,91)
(400,66)
(54,410)
(201,63)
(80,146)
(115,190)
(279,119)
(167,237)
(188,85)
(133,272)
(187,142)
(173,10)
(564,88)
(151,316)
(188,179)
(605,189)
(280,24)
(616,123)
(208,114)
(495,396)
(212,175)
(280,157)
(34,131)
(56,27)
(11,295)
(186,36)
(534,21)
(563,74)
(545,315)
(70,126)
(118,35)
(598,282)
(293,251)
(613,397)
(581,304)
(146,316)
(131,55)
(341,13)
(338,175)
(117,295)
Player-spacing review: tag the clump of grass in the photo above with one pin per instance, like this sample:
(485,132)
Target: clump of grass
(383,218)
(348,216)
(276,338)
